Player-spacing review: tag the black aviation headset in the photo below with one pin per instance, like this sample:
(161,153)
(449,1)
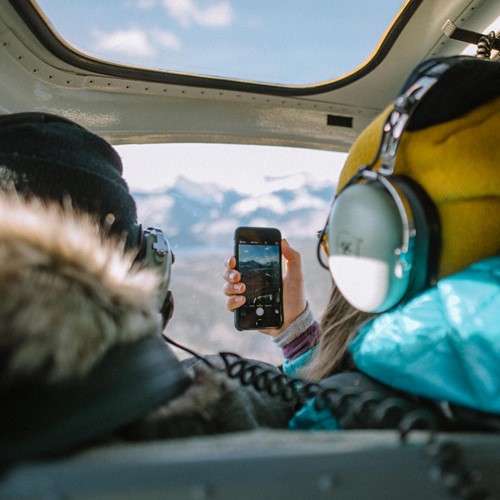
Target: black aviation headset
(383,231)
(153,249)
(155,253)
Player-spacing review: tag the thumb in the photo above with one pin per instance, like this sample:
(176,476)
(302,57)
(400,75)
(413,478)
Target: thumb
(292,260)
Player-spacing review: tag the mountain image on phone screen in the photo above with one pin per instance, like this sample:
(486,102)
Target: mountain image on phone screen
(258,254)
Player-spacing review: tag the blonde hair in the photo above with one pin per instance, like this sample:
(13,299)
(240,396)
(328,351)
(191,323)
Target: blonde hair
(339,325)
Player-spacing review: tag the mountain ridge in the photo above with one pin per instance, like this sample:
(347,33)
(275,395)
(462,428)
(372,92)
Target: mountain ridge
(200,216)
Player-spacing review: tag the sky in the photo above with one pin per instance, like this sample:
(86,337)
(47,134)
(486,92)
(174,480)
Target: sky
(248,169)
(279,41)
(312,41)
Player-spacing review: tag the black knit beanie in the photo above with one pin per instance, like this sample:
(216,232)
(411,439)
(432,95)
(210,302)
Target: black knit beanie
(53,158)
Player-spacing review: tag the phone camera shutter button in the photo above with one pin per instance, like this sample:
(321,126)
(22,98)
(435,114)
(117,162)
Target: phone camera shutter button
(259,311)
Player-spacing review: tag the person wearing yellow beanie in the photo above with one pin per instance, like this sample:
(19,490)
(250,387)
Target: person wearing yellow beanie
(441,345)
(451,149)
(419,195)
(439,341)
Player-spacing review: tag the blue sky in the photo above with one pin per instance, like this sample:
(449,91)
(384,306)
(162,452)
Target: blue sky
(287,41)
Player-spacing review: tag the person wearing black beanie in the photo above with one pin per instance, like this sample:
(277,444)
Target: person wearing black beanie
(82,358)
(55,159)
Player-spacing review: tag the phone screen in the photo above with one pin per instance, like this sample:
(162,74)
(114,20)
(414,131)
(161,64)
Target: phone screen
(258,256)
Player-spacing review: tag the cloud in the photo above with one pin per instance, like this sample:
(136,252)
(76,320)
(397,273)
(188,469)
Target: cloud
(211,13)
(167,39)
(135,42)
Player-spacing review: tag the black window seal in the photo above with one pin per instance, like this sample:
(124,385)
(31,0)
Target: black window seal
(31,17)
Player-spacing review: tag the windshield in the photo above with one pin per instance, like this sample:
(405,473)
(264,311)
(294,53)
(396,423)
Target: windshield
(286,43)
(199,194)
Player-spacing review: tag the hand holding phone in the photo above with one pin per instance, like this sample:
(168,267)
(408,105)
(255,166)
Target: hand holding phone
(258,259)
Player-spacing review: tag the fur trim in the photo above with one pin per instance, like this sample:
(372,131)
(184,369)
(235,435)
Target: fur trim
(68,295)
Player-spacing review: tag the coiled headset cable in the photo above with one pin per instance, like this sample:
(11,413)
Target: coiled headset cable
(485,45)
(356,408)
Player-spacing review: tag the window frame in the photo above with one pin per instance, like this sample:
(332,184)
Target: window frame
(39,25)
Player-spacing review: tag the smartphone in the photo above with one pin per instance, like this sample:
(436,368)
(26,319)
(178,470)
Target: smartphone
(258,259)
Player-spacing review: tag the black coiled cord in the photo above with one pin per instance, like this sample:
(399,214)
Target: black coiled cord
(449,469)
(262,379)
(354,409)
(485,45)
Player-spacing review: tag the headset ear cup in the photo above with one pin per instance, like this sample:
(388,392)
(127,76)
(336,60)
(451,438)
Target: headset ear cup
(366,235)
(427,241)
(155,253)
(370,262)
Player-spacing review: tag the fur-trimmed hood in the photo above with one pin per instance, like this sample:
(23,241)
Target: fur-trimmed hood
(67,294)
(69,298)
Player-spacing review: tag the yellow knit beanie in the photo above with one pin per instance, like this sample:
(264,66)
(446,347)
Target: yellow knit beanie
(457,161)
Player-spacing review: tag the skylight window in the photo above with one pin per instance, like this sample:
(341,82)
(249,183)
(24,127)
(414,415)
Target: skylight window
(289,42)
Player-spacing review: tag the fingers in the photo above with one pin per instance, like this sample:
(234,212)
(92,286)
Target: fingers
(230,289)
(231,275)
(233,289)
(235,301)
(230,262)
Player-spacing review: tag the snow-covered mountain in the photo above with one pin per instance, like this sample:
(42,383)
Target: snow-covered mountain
(204,216)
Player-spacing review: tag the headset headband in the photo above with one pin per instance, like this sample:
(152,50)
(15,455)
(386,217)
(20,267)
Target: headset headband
(398,118)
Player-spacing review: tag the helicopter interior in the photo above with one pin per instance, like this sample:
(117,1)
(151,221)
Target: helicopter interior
(133,105)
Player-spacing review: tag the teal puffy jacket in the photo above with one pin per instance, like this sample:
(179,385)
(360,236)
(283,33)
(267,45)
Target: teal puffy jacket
(443,345)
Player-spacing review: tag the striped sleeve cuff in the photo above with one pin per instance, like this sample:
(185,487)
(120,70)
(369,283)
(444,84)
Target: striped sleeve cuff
(302,343)
(295,328)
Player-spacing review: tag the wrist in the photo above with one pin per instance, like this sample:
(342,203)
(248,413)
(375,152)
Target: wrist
(295,328)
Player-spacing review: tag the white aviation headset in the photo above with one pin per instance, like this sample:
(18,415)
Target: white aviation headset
(383,230)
